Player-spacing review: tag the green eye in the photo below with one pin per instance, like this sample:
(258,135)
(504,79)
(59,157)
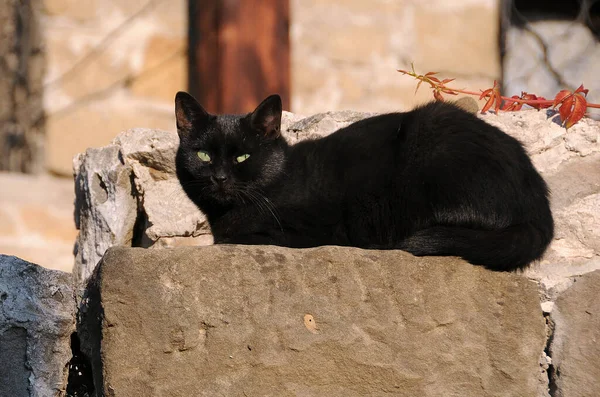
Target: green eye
(242,158)
(204,156)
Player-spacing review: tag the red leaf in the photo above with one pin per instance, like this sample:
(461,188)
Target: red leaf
(430,74)
(438,96)
(447,81)
(434,79)
(498,100)
(581,89)
(566,108)
(560,97)
(485,93)
(488,104)
(579,108)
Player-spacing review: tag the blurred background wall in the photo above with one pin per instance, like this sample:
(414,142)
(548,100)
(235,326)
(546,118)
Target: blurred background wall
(75,73)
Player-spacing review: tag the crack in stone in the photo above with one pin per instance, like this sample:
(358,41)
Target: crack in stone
(551,371)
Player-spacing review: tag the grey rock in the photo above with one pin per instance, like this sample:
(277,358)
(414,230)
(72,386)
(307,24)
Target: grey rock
(106,208)
(14,374)
(36,322)
(256,320)
(575,345)
(166,209)
(322,124)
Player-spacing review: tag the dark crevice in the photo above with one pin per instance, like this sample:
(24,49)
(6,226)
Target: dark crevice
(552,370)
(140,225)
(80,381)
(139,238)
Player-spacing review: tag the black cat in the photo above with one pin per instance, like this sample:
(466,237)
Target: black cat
(432,181)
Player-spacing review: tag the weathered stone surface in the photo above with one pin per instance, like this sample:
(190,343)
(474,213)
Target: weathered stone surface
(321,124)
(576,341)
(105,207)
(238,320)
(36,322)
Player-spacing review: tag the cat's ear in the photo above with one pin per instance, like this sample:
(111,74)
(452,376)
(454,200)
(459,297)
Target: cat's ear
(266,118)
(189,114)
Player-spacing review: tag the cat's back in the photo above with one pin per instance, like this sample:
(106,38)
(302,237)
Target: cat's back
(444,121)
(442,130)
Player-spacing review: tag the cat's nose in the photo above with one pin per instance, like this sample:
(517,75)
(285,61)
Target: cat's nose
(219,179)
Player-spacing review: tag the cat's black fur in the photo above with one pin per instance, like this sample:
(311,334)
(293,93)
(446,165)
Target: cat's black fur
(432,181)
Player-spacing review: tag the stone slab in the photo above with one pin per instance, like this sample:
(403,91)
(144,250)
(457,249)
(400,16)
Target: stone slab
(242,321)
(575,344)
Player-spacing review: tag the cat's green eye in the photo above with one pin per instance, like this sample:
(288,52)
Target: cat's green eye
(242,158)
(204,156)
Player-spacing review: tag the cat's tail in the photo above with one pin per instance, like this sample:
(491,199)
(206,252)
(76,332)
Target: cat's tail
(507,249)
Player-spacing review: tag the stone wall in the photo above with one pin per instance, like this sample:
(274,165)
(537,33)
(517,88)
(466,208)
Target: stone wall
(111,65)
(114,65)
(345,53)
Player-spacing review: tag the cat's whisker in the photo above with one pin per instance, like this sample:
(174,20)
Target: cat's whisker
(254,200)
(266,202)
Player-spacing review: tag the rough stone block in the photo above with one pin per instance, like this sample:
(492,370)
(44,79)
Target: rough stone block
(37,318)
(105,209)
(576,341)
(239,320)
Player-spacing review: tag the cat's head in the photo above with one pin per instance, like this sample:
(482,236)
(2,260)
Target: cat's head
(227,158)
